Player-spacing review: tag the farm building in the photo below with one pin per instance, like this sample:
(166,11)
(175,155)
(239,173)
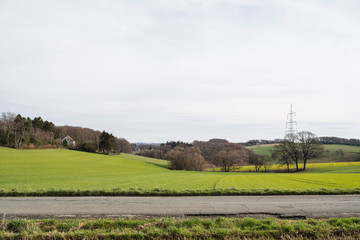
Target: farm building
(69,141)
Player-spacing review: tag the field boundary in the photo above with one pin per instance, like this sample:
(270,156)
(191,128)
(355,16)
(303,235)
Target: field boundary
(169,192)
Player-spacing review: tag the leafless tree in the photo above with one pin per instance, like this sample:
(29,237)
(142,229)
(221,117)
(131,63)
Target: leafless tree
(309,146)
(210,149)
(122,145)
(228,159)
(280,154)
(296,147)
(259,161)
(291,147)
(7,123)
(186,158)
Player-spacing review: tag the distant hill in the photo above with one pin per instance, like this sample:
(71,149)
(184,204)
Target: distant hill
(332,153)
(17,131)
(324,140)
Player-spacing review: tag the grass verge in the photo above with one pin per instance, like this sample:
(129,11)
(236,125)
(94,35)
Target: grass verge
(170,192)
(181,228)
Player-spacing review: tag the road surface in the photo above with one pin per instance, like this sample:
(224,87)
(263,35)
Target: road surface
(300,206)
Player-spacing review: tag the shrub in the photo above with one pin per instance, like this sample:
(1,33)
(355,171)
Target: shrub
(88,147)
(189,158)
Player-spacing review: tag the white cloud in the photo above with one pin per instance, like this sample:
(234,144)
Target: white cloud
(195,68)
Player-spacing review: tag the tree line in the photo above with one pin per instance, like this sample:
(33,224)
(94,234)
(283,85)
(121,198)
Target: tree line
(293,149)
(17,131)
(323,140)
(90,140)
(205,154)
(341,141)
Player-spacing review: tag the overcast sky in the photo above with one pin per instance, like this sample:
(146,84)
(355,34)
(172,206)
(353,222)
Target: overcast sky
(159,70)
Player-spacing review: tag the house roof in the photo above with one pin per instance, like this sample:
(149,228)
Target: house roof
(68,137)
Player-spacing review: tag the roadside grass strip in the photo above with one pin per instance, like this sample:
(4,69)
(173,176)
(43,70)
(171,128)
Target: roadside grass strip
(170,192)
(181,228)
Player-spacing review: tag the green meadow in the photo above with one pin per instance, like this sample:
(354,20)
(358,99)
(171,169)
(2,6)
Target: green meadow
(60,169)
(264,149)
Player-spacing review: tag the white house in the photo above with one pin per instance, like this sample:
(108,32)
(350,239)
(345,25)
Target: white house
(70,142)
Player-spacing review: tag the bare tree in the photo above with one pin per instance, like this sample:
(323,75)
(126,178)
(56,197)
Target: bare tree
(291,148)
(228,159)
(280,154)
(7,123)
(267,164)
(309,146)
(301,146)
(259,161)
(210,148)
(122,145)
(186,158)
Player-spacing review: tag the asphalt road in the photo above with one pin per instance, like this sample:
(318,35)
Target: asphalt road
(300,206)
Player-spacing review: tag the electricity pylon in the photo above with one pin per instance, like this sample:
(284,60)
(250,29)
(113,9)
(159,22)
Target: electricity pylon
(290,124)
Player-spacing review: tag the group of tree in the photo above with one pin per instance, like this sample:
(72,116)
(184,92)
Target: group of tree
(293,149)
(341,141)
(105,143)
(85,138)
(201,154)
(297,148)
(17,131)
(259,161)
(223,154)
(323,140)
(229,159)
(90,140)
(186,158)
(261,141)
(158,151)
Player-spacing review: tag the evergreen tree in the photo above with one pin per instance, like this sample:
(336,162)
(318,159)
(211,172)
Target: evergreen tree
(106,142)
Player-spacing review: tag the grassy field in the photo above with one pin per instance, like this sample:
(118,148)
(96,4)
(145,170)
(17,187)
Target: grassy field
(262,149)
(59,169)
(183,228)
(333,152)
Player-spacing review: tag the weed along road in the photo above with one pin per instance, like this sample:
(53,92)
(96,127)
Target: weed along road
(296,206)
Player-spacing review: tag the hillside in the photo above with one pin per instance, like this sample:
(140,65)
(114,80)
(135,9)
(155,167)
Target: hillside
(62,169)
(21,132)
(333,152)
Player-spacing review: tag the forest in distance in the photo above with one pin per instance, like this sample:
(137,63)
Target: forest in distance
(21,132)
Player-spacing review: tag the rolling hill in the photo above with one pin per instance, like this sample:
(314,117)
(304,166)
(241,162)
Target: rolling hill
(60,169)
